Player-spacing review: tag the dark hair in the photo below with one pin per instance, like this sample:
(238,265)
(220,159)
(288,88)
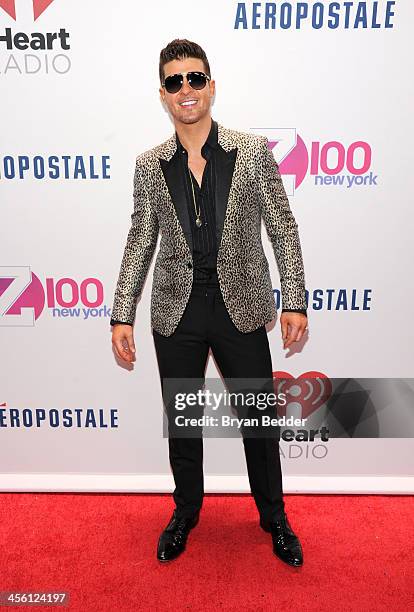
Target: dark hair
(180,48)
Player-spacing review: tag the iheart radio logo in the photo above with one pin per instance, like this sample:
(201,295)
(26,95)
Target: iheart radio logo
(39,6)
(310,390)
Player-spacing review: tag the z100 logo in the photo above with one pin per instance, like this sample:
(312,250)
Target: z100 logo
(332,163)
(23,297)
(32,61)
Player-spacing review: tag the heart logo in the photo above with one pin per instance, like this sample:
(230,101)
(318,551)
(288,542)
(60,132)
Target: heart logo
(311,390)
(39,6)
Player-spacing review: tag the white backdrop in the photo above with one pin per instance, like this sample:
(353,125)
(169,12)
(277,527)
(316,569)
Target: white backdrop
(322,93)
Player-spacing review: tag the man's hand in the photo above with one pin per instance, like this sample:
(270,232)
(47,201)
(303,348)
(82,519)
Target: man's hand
(123,342)
(293,325)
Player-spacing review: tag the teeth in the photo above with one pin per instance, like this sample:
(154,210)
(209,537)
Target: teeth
(188,102)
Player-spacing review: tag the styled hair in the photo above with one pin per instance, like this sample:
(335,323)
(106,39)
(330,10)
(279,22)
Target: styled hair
(180,48)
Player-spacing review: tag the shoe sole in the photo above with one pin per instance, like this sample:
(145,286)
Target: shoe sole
(170,560)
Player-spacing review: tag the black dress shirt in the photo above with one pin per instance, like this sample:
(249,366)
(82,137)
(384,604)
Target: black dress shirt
(204,237)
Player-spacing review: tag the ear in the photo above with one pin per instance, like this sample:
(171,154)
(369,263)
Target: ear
(212,87)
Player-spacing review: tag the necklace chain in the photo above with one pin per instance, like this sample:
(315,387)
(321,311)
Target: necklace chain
(198,218)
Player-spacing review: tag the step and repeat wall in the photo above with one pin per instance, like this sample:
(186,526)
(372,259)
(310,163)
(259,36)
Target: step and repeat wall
(330,85)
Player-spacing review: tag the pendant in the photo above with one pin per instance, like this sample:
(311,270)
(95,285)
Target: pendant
(198,222)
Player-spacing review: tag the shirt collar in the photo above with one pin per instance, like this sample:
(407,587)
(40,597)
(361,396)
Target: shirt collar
(212,138)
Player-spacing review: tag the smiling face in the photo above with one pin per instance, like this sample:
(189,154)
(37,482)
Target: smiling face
(187,105)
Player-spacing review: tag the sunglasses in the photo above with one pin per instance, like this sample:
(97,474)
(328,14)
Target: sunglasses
(174,82)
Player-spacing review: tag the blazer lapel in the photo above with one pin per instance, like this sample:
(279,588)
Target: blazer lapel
(172,175)
(223,167)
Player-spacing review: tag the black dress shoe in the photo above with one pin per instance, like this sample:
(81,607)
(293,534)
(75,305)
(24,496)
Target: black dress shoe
(174,537)
(286,544)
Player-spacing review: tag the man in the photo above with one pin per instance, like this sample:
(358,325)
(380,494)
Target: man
(206,189)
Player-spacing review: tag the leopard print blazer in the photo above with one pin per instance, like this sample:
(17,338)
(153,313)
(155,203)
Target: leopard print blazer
(256,191)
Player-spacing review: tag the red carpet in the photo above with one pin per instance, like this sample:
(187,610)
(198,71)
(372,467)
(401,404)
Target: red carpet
(358,553)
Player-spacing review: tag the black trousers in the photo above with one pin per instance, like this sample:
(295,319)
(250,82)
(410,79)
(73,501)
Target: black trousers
(206,324)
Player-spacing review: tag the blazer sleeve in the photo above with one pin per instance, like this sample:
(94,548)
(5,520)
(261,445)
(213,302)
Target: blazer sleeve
(138,253)
(282,230)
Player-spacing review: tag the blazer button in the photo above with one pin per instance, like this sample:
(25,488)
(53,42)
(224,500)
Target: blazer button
(189,264)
